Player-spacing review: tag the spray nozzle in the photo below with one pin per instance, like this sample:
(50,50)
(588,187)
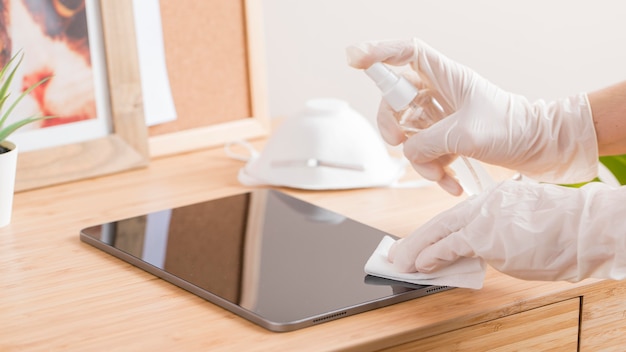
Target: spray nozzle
(396,90)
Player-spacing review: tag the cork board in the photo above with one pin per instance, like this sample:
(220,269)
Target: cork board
(216,71)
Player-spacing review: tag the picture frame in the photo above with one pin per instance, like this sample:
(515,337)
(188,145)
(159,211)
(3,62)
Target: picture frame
(126,147)
(217,75)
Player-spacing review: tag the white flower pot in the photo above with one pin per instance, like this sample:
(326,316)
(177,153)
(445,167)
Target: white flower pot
(8,165)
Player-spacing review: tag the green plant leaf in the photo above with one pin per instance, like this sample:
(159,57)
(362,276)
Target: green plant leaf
(617,165)
(5,132)
(4,95)
(4,88)
(6,83)
(17,101)
(578,185)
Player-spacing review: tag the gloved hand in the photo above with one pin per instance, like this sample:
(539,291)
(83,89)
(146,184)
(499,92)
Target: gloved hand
(550,142)
(526,230)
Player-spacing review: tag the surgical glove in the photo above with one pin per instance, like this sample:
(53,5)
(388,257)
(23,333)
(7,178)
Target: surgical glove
(526,230)
(547,141)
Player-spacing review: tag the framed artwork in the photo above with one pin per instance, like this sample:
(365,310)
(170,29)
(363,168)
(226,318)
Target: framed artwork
(88,49)
(216,64)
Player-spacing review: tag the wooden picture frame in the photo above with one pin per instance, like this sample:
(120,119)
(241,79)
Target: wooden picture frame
(127,146)
(216,65)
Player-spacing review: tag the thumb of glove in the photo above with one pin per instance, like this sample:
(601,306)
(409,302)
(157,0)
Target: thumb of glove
(443,253)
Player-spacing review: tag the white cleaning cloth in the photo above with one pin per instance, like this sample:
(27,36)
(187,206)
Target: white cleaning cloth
(466,272)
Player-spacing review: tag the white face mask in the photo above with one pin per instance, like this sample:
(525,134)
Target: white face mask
(327,146)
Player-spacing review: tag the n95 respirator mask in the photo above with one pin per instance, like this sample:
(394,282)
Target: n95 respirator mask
(326,146)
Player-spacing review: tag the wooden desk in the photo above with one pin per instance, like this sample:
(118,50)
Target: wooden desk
(57,293)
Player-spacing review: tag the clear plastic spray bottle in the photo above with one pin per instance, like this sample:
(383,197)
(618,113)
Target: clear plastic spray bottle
(415,109)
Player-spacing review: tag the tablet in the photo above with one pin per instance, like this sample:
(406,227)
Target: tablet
(271,258)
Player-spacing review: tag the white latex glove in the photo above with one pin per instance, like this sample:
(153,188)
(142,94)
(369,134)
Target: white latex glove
(526,230)
(551,142)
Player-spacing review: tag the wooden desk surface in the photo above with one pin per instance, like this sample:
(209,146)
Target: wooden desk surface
(57,293)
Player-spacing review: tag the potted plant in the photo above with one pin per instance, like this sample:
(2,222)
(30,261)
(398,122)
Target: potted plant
(8,150)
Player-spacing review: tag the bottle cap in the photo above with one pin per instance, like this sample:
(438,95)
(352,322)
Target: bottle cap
(397,91)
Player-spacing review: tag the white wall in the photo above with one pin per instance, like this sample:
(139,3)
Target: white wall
(538,48)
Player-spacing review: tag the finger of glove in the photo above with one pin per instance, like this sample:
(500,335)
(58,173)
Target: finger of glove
(433,170)
(388,125)
(441,73)
(404,252)
(394,52)
(451,185)
(443,253)
(438,171)
(488,217)
(436,142)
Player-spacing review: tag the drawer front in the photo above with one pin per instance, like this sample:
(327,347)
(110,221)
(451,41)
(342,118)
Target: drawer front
(603,322)
(553,327)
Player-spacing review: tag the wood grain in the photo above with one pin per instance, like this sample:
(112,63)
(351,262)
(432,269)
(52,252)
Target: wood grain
(59,294)
(550,328)
(127,146)
(603,323)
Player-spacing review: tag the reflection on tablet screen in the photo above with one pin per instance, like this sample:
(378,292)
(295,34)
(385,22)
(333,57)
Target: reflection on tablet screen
(276,260)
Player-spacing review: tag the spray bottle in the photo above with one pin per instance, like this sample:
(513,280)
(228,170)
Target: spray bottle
(416,110)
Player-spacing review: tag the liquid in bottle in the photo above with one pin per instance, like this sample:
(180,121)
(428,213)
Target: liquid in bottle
(414,109)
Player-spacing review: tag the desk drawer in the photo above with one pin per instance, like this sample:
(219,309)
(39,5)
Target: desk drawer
(553,327)
(603,323)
